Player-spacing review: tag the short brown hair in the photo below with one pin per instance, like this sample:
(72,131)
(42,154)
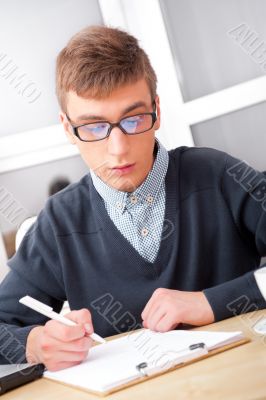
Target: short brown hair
(98,60)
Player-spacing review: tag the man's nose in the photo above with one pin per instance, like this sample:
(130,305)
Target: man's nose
(118,143)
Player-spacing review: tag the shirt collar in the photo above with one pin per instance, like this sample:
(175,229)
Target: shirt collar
(146,193)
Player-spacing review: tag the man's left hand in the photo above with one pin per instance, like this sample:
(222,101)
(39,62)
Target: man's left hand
(167,308)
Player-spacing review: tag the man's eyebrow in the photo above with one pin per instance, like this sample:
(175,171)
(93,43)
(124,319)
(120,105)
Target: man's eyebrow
(133,106)
(86,117)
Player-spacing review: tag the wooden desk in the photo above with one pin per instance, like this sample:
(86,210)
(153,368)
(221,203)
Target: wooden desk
(238,374)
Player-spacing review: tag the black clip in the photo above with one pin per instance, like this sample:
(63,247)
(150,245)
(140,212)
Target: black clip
(140,367)
(197,346)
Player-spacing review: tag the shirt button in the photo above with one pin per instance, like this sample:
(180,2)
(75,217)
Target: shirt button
(149,199)
(133,199)
(144,232)
(119,205)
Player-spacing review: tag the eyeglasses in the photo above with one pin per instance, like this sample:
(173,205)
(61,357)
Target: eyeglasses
(100,130)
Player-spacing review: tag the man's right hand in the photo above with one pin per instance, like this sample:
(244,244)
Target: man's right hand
(58,346)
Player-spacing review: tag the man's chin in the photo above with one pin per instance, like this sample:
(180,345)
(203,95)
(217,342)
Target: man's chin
(121,183)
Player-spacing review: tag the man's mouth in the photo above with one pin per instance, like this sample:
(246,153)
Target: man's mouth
(123,169)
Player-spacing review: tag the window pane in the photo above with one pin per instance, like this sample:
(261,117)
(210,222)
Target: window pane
(32,34)
(207,57)
(240,133)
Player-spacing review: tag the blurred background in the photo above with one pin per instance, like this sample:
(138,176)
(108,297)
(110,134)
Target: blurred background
(210,58)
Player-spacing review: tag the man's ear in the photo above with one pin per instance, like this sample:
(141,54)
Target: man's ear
(67,128)
(158,113)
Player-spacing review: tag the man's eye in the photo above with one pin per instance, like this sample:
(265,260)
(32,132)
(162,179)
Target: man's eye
(135,119)
(94,128)
(98,128)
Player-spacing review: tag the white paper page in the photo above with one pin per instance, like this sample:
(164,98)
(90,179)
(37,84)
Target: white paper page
(107,365)
(179,339)
(114,363)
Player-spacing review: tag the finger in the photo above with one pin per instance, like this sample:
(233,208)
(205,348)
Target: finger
(156,314)
(61,332)
(147,308)
(62,362)
(82,317)
(78,345)
(53,350)
(166,323)
(151,302)
(71,356)
(152,310)
(79,316)
(57,366)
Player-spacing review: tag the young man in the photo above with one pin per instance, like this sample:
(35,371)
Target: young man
(147,238)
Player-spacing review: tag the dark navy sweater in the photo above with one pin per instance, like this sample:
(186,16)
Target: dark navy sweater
(213,238)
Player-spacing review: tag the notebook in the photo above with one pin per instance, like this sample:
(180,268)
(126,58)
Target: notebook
(140,355)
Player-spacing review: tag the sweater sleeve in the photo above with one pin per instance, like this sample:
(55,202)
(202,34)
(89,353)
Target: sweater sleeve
(34,270)
(244,191)
(260,276)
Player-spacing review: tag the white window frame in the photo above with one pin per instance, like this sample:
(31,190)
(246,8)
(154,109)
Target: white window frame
(142,18)
(34,147)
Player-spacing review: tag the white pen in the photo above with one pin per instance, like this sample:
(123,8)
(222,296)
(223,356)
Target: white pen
(48,311)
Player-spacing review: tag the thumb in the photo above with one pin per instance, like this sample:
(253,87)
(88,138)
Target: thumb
(82,317)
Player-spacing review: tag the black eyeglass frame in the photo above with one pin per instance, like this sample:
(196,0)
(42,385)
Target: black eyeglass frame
(113,125)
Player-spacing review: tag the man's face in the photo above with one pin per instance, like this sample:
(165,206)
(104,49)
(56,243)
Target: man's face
(133,152)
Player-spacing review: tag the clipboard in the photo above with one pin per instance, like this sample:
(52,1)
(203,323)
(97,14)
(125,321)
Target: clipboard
(144,371)
(159,373)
